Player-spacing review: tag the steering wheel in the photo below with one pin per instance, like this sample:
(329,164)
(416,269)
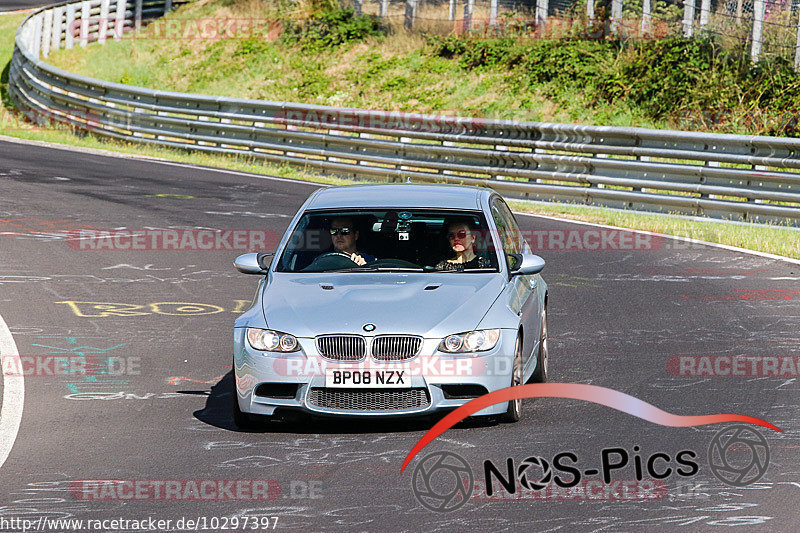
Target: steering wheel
(329,254)
(330,261)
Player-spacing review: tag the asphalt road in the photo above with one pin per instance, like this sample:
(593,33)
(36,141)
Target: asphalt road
(616,318)
(14,5)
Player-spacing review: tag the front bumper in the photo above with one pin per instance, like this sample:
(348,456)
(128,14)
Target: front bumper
(267,381)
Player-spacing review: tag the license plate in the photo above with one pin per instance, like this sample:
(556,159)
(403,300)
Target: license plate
(367,379)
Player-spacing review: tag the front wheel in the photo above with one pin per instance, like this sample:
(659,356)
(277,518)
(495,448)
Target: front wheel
(514,410)
(241,419)
(540,374)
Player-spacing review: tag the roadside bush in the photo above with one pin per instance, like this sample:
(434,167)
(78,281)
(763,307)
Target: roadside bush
(332,27)
(666,75)
(676,78)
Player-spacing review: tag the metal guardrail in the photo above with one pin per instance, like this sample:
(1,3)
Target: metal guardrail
(729,176)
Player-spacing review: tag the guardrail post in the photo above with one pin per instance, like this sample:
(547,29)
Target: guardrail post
(26,35)
(357,7)
(47,30)
(37,35)
(85,23)
(408,19)
(797,46)
(103,29)
(705,9)
(403,140)
(493,13)
(590,10)
(137,15)
(756,200)
(758,29)
(55,35)
(541,14)
(616,15)
(646,17)
(645,159)
(688,17)
(69,36)
(469,6)
(385,7)
(120,19)
(500,148)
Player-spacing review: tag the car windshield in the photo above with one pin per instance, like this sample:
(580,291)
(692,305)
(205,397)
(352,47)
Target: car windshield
(412,240)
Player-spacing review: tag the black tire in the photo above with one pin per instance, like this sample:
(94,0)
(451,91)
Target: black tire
(242,420)
(514,411)
(540,374)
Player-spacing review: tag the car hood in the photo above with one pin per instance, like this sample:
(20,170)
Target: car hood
(431,305)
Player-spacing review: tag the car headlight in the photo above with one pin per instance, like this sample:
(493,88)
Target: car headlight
(266,340)
(472,341)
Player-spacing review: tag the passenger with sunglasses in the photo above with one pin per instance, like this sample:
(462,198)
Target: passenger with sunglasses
(462,244)
(344,237)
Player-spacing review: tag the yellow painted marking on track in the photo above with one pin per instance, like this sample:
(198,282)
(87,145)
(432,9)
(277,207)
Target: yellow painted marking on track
(86,309)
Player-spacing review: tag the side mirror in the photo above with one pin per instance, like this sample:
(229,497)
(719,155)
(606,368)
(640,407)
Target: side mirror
(252,263)
(525,264)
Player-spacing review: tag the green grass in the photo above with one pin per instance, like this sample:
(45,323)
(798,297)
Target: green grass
(759,237)
(400,72)
(370,71)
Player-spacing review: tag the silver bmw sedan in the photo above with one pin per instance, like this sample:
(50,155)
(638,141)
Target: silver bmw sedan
(391,300)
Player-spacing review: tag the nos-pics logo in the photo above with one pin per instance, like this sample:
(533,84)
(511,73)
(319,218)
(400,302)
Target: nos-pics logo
(443,481)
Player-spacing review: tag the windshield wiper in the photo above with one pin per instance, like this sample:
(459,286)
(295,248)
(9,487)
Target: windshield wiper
(487,269)
(383,269)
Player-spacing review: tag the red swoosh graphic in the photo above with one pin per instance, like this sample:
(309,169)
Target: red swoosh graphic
(574,391)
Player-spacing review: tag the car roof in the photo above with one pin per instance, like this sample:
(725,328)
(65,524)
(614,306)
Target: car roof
(399,195)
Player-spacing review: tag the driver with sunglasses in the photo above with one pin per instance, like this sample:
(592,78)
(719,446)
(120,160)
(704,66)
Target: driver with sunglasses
(344,237)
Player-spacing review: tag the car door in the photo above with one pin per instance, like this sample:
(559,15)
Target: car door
(523,299)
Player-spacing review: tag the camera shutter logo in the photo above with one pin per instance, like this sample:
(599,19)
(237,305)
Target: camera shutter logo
(442,482)
(738,455)
(524,469)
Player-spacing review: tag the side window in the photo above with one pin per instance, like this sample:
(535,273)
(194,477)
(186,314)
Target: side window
(508,231)
(507,226)
(293,246)
(515,232)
